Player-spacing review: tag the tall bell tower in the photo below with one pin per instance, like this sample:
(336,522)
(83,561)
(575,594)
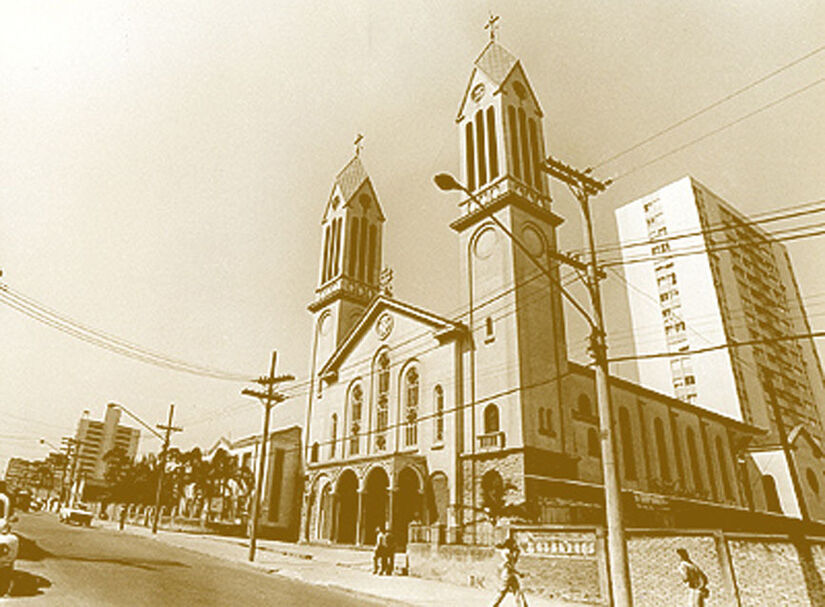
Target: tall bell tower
(350,258)
(519,352)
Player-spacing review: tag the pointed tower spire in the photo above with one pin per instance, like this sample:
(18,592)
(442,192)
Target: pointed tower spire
(500,126)
(351,251)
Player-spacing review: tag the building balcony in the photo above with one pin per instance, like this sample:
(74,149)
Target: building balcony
(493,440)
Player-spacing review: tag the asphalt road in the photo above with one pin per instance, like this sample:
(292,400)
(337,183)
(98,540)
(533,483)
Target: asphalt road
(68,565)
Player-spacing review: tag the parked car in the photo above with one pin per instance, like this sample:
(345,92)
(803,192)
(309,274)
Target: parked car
(9,545)
(79,513)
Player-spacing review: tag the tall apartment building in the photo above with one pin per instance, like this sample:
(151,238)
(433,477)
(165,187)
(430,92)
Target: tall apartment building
(702,274)
(97,438)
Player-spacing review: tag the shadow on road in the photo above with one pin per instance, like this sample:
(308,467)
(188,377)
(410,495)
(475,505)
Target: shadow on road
(147,564)
(30,551)
(27,584)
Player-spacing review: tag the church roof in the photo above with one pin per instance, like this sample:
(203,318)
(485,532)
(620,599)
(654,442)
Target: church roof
(380,303)
(349,180)
(496,61)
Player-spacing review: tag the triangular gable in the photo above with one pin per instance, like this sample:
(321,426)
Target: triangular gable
(801,430)
(497,64)
(348,182)
(378,305)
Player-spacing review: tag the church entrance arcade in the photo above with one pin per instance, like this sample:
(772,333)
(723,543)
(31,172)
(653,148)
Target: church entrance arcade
(346,508)
(347,503)
(376,503)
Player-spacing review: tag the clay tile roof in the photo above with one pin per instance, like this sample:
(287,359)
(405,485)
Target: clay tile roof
(496,61)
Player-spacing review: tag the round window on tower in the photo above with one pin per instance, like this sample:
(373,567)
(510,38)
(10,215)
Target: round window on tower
(533,240)
(485,243)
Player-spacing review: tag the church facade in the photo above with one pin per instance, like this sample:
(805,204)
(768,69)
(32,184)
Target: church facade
(450,421)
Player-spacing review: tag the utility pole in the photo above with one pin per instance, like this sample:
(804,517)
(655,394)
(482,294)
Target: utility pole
(268,400)
(169,428)
(786,450)
(583,186)
(69,464)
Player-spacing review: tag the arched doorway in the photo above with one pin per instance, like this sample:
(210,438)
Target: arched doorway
(325,513)
(492,494)
(347,498)
(375,503)
(408,505)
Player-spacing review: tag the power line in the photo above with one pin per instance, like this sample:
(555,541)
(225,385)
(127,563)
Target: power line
(45,315)
(721,128)
(757,220)
(734,344)
(709,107)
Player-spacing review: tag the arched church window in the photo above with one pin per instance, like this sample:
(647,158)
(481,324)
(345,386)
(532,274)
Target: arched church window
(362,252)
(534,150)
(470,155)
(698,481)
(585,406)
(492,144)
(356,405)
(382,401)
(514,146)
(525,152)
(372,260)
(720,455)
(333,435)
(481,160)
(411,390)
(626,436)
(353,246)
(491,420)
(489,329)
(327,244)
(313,453)
(336,247)
(661,446)
(439,413)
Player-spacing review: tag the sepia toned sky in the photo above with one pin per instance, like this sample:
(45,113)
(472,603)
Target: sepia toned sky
(164,166)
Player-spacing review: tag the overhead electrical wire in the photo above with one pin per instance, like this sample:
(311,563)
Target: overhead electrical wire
(721,128)
(45,315)
(710,106)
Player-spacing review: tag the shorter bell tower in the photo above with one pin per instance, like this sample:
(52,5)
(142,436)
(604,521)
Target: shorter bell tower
(350,259)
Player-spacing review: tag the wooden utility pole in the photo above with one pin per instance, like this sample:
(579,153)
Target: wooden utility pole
(169,428)
(268,400)
(583,186)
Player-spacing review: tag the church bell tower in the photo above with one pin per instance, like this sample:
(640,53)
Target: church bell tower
(350,258)
(515,311)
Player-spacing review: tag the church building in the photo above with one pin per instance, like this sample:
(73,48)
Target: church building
(412,416)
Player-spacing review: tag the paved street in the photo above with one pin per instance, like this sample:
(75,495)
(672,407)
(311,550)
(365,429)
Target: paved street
(68,565)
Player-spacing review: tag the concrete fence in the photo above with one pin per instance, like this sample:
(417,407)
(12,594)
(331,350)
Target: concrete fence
(743,570)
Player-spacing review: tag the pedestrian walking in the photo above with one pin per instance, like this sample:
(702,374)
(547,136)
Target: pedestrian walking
(508,574)
(693,578)
(389,554)
(379,552)
(122,516)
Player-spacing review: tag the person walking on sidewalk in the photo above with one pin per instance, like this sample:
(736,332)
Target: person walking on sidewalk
(379,554)
(509,575)
(694,578)
(389,554)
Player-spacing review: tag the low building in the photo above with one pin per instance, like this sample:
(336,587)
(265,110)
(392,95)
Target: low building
(283,478)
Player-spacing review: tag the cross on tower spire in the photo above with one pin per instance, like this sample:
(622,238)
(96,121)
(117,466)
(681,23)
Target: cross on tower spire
(492,25)
(357,143)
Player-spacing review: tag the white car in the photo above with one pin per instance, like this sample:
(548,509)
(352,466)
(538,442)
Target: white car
(9,545)
(76,514)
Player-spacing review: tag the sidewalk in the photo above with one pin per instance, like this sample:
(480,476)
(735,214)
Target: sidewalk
(345,569)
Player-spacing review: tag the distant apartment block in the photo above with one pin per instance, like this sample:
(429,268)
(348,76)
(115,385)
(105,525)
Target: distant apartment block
(702,274)
(97,438)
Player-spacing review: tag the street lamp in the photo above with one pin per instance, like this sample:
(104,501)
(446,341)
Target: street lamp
(584,186)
